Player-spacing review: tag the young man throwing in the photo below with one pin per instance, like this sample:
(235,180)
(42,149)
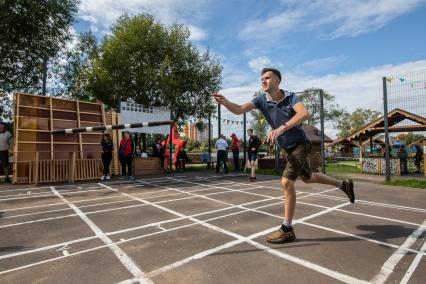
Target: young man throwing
(285,114)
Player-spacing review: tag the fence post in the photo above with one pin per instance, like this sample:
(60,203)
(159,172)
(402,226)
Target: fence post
(218,122)
(385,117)
(424,158)
(71,169)
(245,138)
(209,165)
(171,144)
(36,168)
(322,131)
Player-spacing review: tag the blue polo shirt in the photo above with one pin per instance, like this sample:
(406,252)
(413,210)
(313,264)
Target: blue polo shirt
(277,113)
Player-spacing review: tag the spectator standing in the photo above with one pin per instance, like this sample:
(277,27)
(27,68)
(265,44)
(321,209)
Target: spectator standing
(235,148)
(253,149)
(222,148)
(126,150)
(107,148)
(418,158)
(5,149)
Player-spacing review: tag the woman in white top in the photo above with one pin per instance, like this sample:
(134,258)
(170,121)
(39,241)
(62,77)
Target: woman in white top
(222,148)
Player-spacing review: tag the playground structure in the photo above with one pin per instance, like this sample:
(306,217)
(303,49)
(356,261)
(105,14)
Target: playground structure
(40,156)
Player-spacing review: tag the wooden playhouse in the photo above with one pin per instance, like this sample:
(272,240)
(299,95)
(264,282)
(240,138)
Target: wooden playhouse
(41,157)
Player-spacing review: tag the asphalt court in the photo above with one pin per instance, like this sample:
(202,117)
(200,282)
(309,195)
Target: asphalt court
(204,228)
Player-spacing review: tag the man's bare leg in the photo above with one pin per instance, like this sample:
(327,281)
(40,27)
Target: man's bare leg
(289,198)
(346,186)
(286,232)
(253,168)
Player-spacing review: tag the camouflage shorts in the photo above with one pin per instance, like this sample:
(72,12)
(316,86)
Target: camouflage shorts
(298,163)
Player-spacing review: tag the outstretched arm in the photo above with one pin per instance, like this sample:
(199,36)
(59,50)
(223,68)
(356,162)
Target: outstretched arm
(233,107)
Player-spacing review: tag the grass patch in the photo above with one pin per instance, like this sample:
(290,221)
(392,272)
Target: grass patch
(342,167)
(408,182)
(270,172)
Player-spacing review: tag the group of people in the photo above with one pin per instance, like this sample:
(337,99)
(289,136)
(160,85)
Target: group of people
(126,152)
(403,159)
(222,152)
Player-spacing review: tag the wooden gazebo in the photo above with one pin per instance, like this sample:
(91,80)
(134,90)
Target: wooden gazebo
(367,133)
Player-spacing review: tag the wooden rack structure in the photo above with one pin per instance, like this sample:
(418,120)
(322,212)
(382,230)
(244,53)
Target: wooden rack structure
(40,156)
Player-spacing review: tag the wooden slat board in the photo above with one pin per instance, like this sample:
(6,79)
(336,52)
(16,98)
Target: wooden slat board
(35,117)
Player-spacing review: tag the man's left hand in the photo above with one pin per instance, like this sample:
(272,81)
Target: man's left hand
(274,134)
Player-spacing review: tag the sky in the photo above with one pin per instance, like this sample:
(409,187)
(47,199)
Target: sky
(343,47)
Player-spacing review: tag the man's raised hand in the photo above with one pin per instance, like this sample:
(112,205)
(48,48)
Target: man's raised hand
(220,99)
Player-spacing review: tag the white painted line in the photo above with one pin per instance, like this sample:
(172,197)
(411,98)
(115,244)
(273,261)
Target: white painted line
(355,236)
(65,253)
(40,193)
(114,233)
(121,255)
(323,270)
(240,239)
(307,264)
(34,196)
(396,257)
(414,264)
(377,204)
(110,209)
(131,229)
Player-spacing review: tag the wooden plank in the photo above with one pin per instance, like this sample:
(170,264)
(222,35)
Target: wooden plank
(80,145)
(16,134)
(51,127)
(71,167)
(36,168)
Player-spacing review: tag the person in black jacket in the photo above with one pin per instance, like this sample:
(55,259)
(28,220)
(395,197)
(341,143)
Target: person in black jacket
(158,151)
(107,148)
(418,158)
(182,158)
(253,148)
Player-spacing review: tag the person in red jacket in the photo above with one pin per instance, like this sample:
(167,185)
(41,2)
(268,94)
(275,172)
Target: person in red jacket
(235,147)
(126,150)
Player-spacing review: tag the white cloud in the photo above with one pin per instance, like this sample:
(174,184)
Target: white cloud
(258,63)
(335,18)
(197,34)
(320,64)
(273,26)
(101,14)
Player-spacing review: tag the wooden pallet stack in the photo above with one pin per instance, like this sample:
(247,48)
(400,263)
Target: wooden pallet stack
(42,157)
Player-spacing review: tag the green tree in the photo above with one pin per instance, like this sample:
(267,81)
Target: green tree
(311,99)
(31,31)
(6,106)
(351,122)
(155,65)
(80,61)
(409,138)
(259,124)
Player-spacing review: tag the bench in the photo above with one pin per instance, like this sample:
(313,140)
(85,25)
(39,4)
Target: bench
(202,158)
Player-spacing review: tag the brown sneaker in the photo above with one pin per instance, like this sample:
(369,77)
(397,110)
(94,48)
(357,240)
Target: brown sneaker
(280,237)
(348,188)
(252,179)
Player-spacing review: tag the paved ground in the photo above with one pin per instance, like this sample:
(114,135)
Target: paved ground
(202,228)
